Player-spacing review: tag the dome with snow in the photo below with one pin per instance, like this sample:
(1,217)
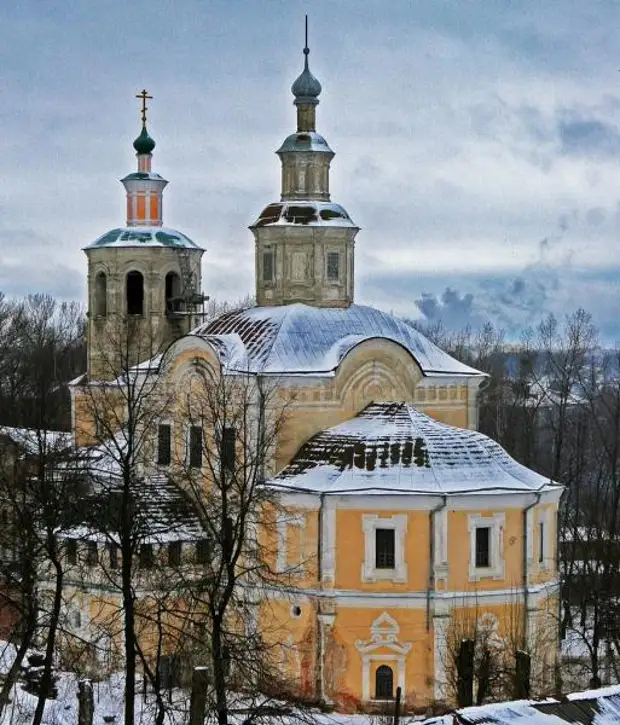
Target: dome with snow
(143,236)
(393,448)
(302,339)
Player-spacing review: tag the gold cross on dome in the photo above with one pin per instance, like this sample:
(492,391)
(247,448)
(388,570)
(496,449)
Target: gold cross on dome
(144,96)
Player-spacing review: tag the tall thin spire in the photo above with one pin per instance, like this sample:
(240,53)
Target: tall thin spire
(306,90)
(306,49)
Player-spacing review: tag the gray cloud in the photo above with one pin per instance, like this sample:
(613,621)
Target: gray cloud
(461,143)
(589,137)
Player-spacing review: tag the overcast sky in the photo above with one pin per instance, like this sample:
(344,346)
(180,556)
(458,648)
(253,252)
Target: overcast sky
(477,143)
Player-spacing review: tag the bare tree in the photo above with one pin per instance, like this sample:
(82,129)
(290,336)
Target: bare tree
(119,416)
(235,422)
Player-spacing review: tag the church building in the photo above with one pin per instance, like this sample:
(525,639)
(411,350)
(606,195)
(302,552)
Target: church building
(403,521)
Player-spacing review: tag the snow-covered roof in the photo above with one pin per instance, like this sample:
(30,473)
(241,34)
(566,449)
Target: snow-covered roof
(143,237)
(164,513)
(595,707)
(392,447)
(305,141)
(304,213)
(161,512)
(32,441)
(301,339)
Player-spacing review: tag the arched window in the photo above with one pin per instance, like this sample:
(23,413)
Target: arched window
(101,295)
(135,293)
(173,292)
(384,683)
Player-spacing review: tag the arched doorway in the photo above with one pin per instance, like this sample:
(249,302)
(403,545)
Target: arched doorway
(384,683)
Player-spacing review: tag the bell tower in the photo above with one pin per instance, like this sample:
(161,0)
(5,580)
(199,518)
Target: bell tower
(305,242)
(144,279)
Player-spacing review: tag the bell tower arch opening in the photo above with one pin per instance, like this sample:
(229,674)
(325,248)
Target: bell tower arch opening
(134,293)
(100,301)
(173,293)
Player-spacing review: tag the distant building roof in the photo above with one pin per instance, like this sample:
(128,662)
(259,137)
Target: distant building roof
(392,447)
(302,339)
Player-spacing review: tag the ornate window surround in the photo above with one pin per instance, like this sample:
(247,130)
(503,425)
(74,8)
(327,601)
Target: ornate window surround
(372,522)
(383,635)
(495,522)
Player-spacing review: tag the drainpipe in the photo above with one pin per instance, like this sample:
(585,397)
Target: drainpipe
(525,568)
(319,545)
(431,559)
(320,644)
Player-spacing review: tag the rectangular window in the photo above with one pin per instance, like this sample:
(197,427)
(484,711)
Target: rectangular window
(164,439)
(195,446)
(203,548)
(228,449)
(268,266)
(72,552)
(541,542)
(483,546)
(147,558)
(333,266)
(384,548)
(113,551)
(91,553)
(174,553)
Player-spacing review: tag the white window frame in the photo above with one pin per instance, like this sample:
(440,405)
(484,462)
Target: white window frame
(370,524)
(495,523)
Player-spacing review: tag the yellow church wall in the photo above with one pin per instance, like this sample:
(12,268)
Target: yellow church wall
(457,416)
(376,370)
(352,625)
(291,638)
(350,551)
(459,551)
(97,413)
(541,572)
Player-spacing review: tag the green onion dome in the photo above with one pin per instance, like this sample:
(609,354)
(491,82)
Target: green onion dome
(144,144)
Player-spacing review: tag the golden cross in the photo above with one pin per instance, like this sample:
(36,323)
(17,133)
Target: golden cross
(144,96)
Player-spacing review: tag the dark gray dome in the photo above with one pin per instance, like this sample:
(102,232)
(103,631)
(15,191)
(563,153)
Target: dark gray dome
(306,87)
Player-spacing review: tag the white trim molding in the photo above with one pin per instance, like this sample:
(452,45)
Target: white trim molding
(441,564)
(328,536)
(441,624)
(495,522)
(383,635)
(284,521)
(545,518)
(370,524)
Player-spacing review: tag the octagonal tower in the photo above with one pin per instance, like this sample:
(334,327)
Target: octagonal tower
(305,242)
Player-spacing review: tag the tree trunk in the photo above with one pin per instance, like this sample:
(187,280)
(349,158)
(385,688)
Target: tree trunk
(219,675)
(128,633)
(46,679)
